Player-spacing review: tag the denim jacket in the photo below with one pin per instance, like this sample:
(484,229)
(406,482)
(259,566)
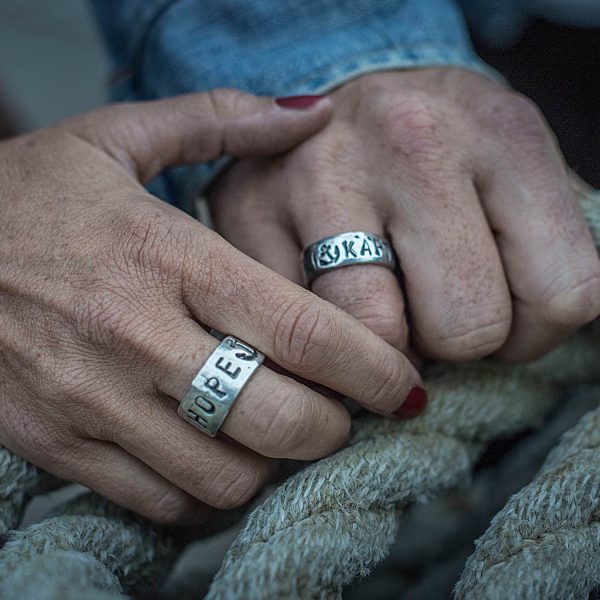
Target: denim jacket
(274,47)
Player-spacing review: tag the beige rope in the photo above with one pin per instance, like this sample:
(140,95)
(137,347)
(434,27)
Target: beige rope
(545,543)
(336,519)
(432,536)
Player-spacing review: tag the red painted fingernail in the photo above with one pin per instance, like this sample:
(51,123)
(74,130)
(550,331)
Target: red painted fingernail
(297,102)
(414,405)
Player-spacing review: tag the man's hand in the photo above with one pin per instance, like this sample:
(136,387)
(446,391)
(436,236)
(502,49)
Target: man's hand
(105,293)
(465,178)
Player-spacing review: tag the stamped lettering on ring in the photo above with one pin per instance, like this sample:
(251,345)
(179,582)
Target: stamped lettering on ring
(217,384)
(329,254)
(349,251)
(346,249)
(246,352)
(200,409)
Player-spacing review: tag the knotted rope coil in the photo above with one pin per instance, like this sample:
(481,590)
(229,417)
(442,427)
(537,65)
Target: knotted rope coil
(336,519)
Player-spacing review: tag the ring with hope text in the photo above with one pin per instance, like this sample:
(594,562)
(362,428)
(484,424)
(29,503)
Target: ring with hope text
(218,383)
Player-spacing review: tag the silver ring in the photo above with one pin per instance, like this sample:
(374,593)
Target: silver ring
(345,250)
(218,383)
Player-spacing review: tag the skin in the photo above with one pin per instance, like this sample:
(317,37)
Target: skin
(105,294)
(465,178)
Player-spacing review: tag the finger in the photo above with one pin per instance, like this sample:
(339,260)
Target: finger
(275,238)
(214,471)
(277,249)
(150,136)
(122,478)
(253,226)
(370,293)
(273,415)
(554,277)
(458,297)
(302,333)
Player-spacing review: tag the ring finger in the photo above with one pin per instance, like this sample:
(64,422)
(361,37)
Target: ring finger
(273,415)
(276,237)
(370,293)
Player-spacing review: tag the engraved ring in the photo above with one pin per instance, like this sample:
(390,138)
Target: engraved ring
(218,383)
(345,250)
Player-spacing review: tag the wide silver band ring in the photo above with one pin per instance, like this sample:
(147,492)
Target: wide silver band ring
(218,383)
(345,250)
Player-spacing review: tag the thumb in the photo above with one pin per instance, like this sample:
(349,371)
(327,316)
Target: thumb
(146,137)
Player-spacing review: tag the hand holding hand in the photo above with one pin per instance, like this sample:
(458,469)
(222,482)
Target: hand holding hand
(105,293)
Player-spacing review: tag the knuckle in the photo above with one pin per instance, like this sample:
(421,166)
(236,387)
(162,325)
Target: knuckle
(170,508)
(472,338)
(63,381)
(107,318)
(388,325)
(517,117)
(576,304)
(234,485)
(99,312)
(75,384)
(316,157)
(304,334)
(223,100)
(41,435)
(148,239)
(413,132)
(220,102)
(289,426)
(390,381)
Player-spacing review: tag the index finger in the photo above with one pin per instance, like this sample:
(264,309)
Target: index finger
(299,331)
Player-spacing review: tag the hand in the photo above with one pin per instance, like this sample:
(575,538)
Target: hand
(465,178)
(103,293)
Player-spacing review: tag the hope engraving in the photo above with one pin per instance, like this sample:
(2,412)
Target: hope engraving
(226,368)
(197,417)
(247,353)
(214,386)
(201,406)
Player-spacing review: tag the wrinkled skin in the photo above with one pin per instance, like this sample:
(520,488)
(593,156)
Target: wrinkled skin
(104,292)
(465,178)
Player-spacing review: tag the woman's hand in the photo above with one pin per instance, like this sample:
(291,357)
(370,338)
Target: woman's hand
(103,290)
(465,178)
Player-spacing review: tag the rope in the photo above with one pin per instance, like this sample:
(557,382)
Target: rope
(96,543)
(545,543)
(336,519)
(290,546)
(434,540)
(19,482)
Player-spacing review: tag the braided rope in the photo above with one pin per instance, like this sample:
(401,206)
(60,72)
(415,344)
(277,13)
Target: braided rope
(388,465)
(438,531)
(545,543)
(95,542)
(334,520)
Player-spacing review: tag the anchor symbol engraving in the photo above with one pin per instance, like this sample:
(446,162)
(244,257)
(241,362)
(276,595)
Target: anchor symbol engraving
(328,255)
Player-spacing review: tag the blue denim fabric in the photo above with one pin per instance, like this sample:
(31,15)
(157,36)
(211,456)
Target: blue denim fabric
(274,47)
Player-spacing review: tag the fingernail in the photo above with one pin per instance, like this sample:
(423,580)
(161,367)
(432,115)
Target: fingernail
(414,405)
(297,102)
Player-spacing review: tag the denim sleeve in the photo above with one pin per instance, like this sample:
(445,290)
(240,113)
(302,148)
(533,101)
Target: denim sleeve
(273,47)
